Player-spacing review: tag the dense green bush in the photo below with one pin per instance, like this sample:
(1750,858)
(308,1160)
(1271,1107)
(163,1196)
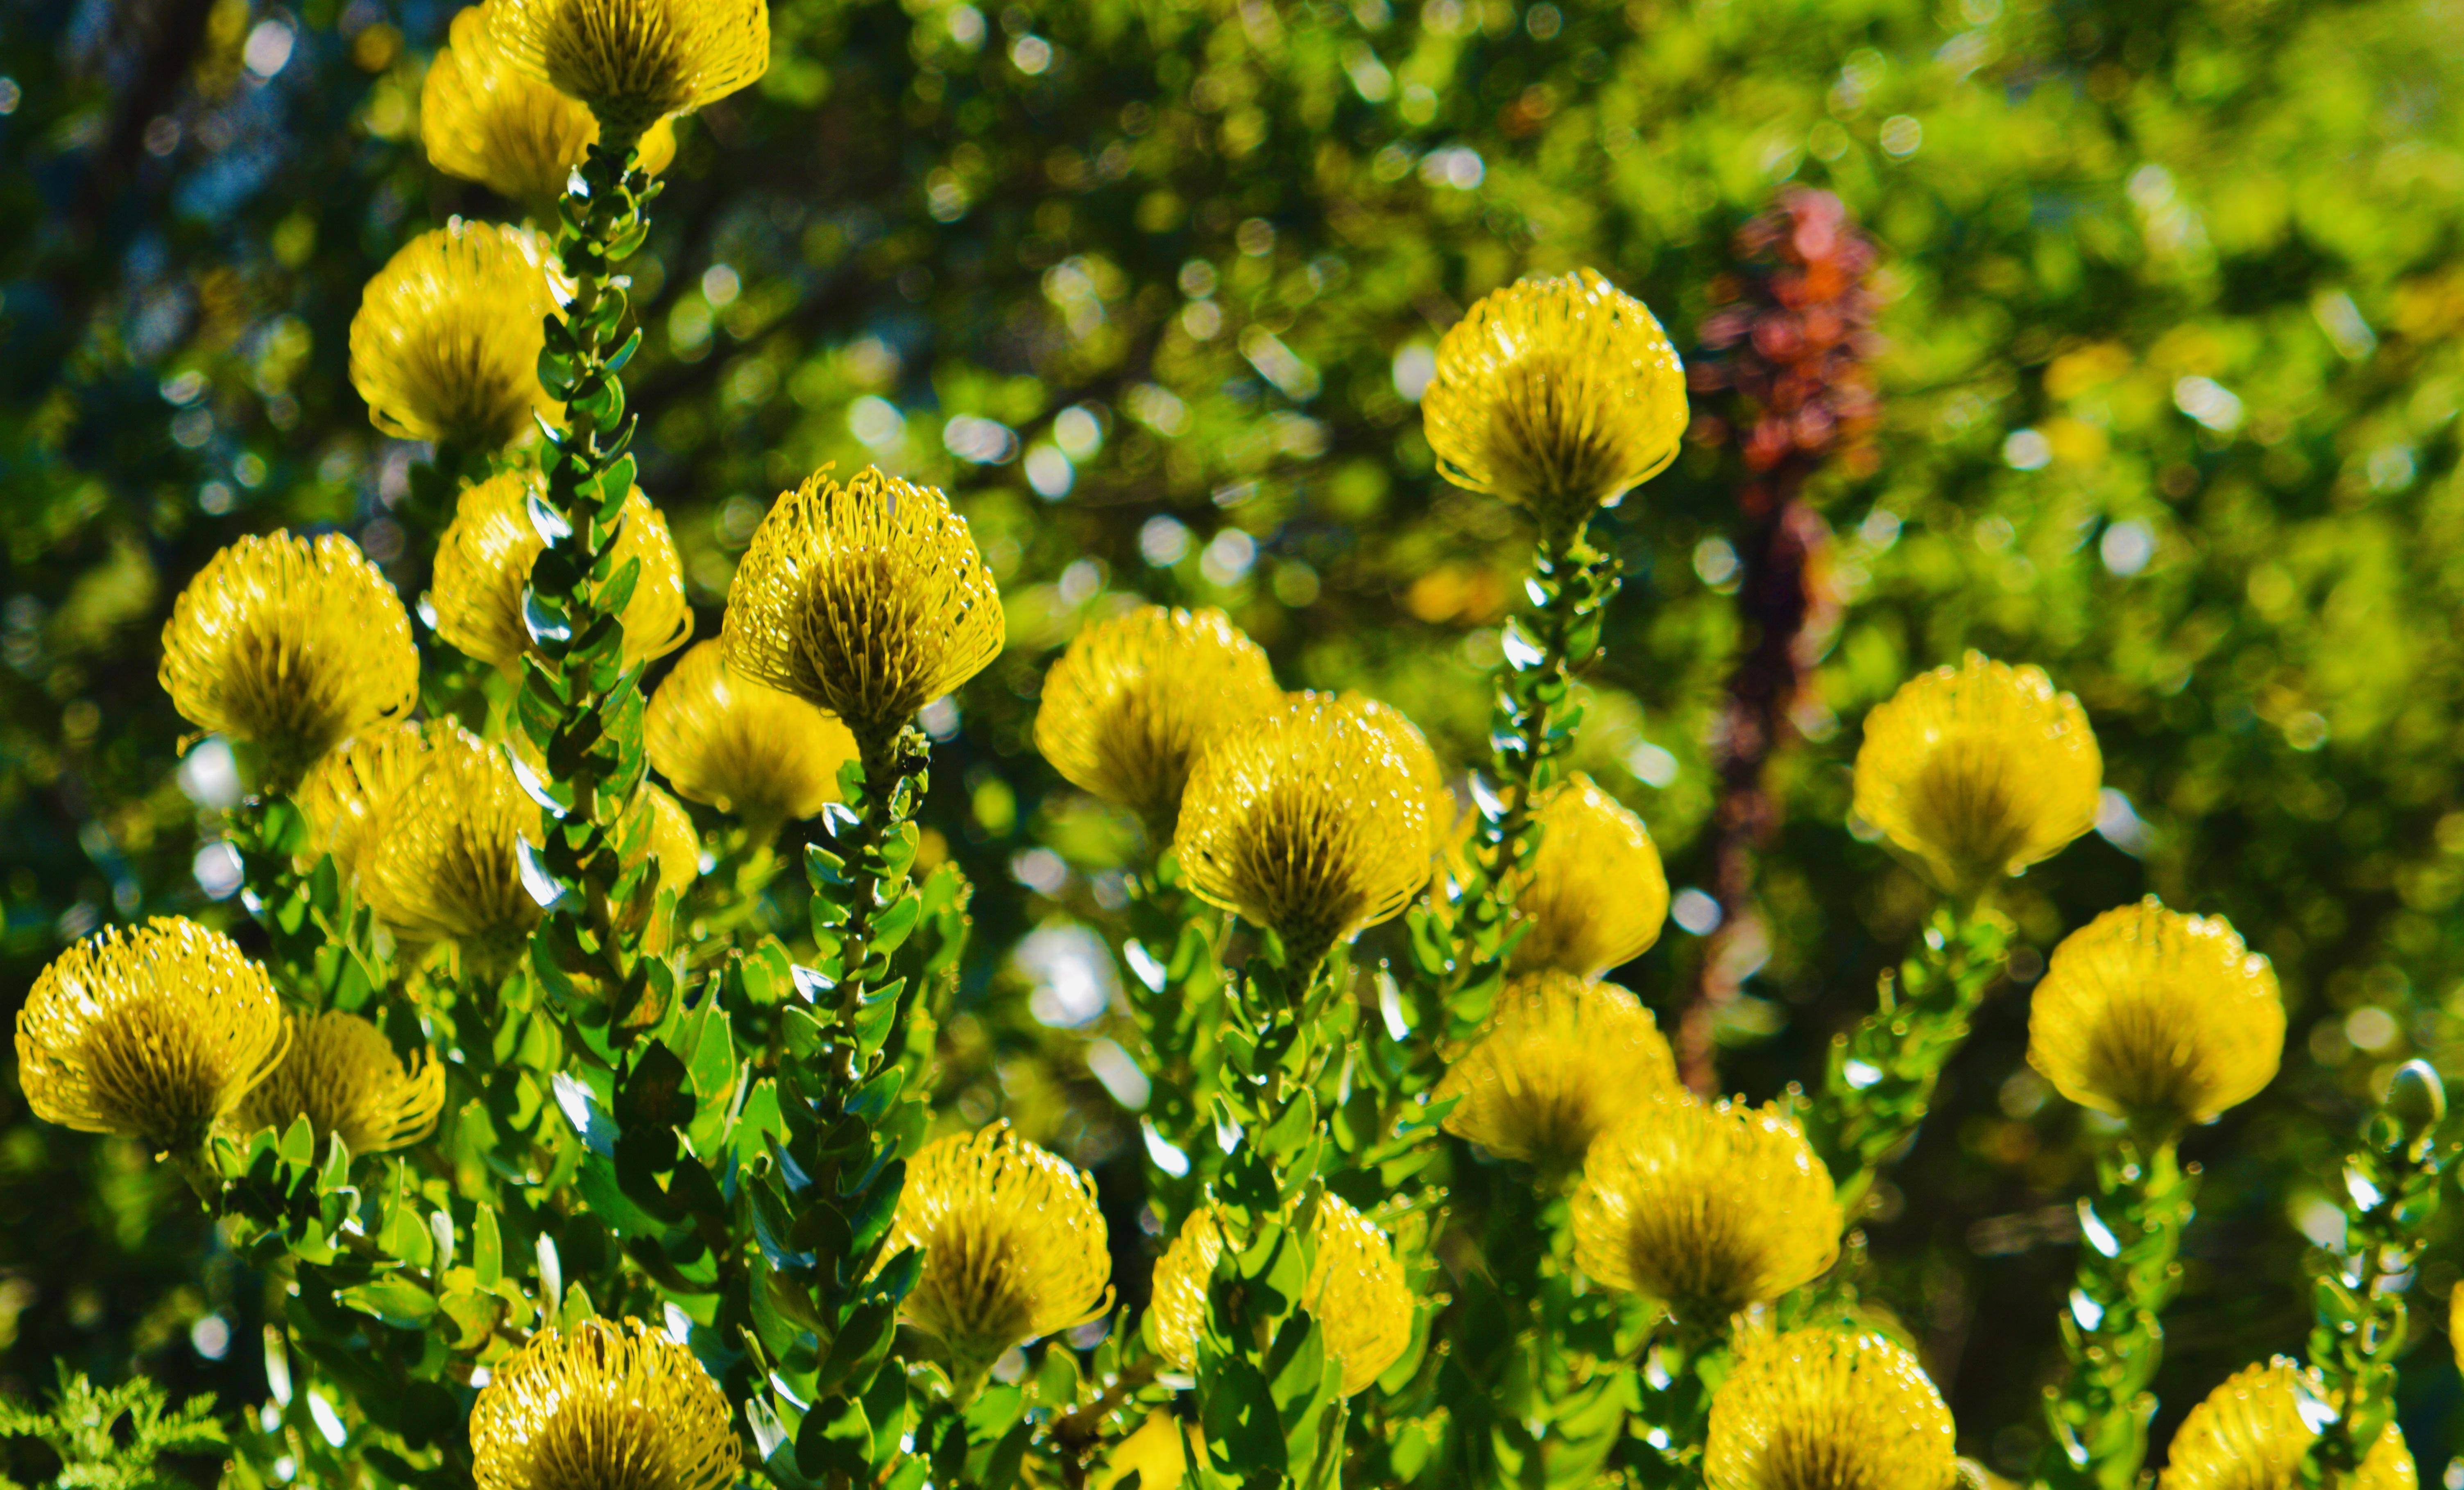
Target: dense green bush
(2163,394)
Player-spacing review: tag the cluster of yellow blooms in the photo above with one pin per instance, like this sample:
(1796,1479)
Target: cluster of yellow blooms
(1311,815)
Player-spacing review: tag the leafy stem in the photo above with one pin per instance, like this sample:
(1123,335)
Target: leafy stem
(1882,1076)
(2128,1271)
(581,705)
(2390,1195)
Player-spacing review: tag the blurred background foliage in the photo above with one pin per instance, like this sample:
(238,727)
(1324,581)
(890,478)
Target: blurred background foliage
(2170,294)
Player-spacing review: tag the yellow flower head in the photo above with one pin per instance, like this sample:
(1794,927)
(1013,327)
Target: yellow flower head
(869,600)
(1130,704)
(1155,1454)
(1595,895)
(1356,1290)
(1979,770)
(152,1031)
(1562,1060)
(2155,1016)
(343,1077)
(1556,394)
(635,61)
(602,1406)
(486,120)
(2249,1435)
(290,644)
(1828,1408)
(483,565)
(674,846)
(1706,1208)
(1014,1246)
(451,870)
(1314,819)
(764,756)
(346,793)
(447,342)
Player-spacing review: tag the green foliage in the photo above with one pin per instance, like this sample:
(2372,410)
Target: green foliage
(115,1438)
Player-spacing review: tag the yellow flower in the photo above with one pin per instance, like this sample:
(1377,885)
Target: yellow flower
(483,565)
(2155,1016)
(1979,770)
(451,870)
(674,846)
(485,120)
(1828,1408)
(1595,896)
(868,599)
(2249,1435)
(1562,1059)
(291,646)
(764,756)
(1155,1454)
(345,795)
(1126,707)
(447,342)
(1355,1291)
(1706,1208)
(634,61)
(1014,1245)
(1556,394)
(152,1031)
(343,1077)
(1314,819)
(602,1407)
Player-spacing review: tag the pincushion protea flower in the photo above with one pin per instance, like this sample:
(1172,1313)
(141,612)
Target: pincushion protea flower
(1561,1060)
(151,1031)
(1356,1290)
(1314,819)
(1558,395)
(1828,1408)
(343,1077)
(1706,1208)
(635,61)
(764,756)
(484,120)
(451,870)
(2251,1432)
(345,795)
(2155,1016)
(868,599)
(1979,770)
(483,565)
(290,644)
(446,340)
(1128,707)
(602,1405)
(1595,896)
(1012,1242)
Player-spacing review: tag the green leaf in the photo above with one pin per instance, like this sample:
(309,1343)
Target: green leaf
(396,1301)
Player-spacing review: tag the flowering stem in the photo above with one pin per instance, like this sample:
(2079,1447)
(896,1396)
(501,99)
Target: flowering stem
(1177,974)
(2391,1194)
(1881,1076)
(581,706)
(863,907)
(1530,727)
(2131,1238)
